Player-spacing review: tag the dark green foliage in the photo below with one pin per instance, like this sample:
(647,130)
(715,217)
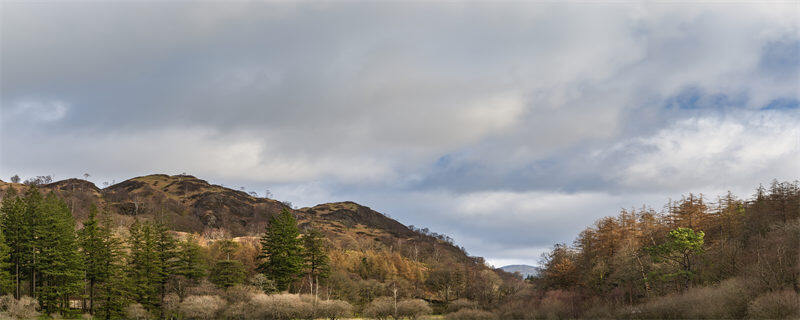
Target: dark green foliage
(227,273)
(96,254)
(58,261)
(152,262)
(281,250)
(6,283)
(190,262)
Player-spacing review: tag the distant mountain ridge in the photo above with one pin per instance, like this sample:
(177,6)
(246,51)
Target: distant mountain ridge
(523,269)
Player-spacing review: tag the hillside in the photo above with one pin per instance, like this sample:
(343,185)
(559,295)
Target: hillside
(366,245)
(524,270)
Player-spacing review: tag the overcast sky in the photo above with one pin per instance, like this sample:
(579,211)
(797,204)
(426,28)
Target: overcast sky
(509,126)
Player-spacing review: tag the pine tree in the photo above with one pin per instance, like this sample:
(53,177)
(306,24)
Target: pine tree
(95,253)
(6,282)
(316,259)
(190,266)
(152,263)
(58,260)
(143,265)
(12,221)
(281,250)
(227,273)
(112,293)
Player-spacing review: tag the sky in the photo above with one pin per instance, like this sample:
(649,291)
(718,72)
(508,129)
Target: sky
(509,126)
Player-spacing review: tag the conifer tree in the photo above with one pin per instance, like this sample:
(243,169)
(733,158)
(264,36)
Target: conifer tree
(58,260)
(143,265)
(316,259)
(190,266)
(227,272)
(6,283)
(95,253)
(152,263)
(12,221)
(113,293)
(281,250)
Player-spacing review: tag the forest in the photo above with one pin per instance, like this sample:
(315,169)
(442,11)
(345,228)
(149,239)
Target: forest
(695,258)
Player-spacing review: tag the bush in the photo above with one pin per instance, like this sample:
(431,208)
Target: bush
(238,311)
(413,308)
(136,311)
(728,300)
(24,308)
(461,304)
(470,314)
(202,307)
(380,308)
(783,304)
(241,293)
(333,309)
(559,304)
(280,307)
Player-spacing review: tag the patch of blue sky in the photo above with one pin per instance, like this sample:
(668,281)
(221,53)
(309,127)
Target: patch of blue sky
(782,104)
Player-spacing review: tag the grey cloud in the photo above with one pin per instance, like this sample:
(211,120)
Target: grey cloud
(382,102)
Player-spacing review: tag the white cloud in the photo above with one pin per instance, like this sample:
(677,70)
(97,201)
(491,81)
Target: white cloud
(41,110)
(735,150)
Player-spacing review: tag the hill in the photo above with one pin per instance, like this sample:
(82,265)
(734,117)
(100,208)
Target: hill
(367,248)
(523,269)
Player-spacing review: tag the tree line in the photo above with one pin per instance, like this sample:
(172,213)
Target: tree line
(101,271)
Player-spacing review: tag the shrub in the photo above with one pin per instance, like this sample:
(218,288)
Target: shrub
(202,307)
(241,293)
(261,281)
(783,304)
(380,308)
(413,308)
(238,311)
(172,304)
(280,307)
(728,300)
(334,309)
(24,308)
(470,314)
(558,304)
(136,311)
(461,304)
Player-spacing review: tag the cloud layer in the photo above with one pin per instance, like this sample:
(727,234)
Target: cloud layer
(509,126)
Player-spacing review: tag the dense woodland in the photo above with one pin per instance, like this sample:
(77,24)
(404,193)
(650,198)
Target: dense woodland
(697,258)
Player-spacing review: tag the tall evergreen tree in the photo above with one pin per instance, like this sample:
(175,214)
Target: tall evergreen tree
(190,266)
(6,282)
(227,272)
(95,253)
(112,293)
(152,263)
(58,260)
(316,259)
(281,250)
(143,266)
(16,231)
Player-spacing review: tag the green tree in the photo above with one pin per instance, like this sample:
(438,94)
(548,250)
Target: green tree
(281,250)
(190,266)
(152,262)
(58,260)
(113,293)
(16,233)
(227,273)
(96,254)
(681,246)
(316,259)
(6,282)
